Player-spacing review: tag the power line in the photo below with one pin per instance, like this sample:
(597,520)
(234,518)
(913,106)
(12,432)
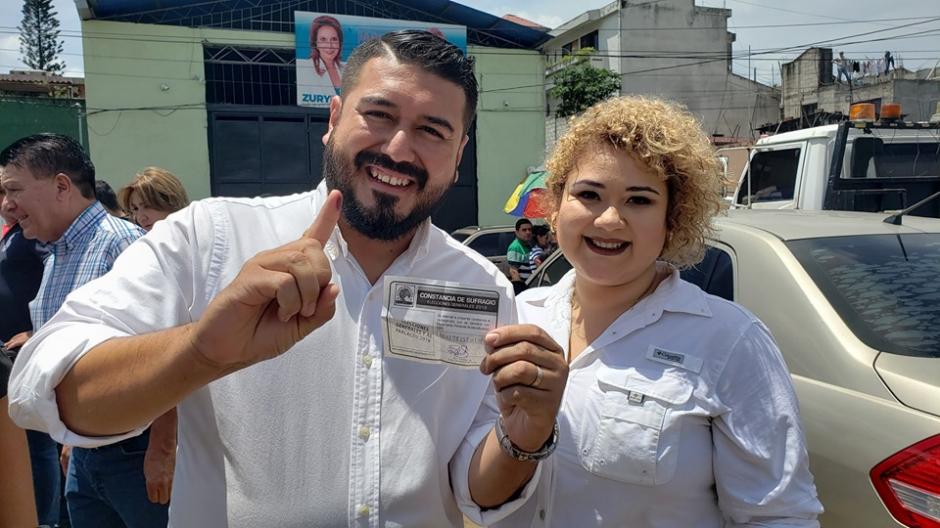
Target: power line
(714,56)
(805,13)
(168,39)
(690,54)
(107,35)
(77,33)
(778,50)
(638,55)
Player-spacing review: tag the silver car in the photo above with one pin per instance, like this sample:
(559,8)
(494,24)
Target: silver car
(491,242)
(854,304)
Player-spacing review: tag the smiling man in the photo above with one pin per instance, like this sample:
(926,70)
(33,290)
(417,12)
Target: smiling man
(50,191)
(266,321)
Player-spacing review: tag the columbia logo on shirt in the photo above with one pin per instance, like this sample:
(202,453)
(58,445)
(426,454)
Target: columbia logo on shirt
(668,356)
(675,359)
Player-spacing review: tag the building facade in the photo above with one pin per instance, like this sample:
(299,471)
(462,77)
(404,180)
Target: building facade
(207,90)
(672,49)
(813,94)
(34,101)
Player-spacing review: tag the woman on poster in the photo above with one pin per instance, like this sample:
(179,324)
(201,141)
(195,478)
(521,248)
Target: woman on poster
(326,46)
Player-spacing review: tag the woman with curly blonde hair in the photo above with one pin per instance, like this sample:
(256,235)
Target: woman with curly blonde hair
(678,410)
(152,196)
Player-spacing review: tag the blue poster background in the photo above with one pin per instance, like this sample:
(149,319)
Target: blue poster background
(315,89)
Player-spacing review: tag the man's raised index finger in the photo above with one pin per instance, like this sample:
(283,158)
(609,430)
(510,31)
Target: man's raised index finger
(322,227)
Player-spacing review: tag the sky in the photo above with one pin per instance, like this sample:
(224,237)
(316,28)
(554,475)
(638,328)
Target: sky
(901,26)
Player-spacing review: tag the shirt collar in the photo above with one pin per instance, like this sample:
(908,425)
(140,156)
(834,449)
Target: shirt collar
(672,295)
(81,226)
(679,296)
(336,246)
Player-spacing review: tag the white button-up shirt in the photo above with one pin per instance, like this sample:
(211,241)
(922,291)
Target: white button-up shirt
(331,433)
(681,414)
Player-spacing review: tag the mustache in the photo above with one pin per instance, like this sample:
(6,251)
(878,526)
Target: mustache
(378,159)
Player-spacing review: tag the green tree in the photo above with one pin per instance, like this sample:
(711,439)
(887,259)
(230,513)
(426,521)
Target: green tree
(578,85)
(40,44)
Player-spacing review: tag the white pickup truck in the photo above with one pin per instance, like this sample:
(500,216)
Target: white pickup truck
(861,165)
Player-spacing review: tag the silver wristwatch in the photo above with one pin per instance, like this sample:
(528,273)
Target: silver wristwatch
(525,456)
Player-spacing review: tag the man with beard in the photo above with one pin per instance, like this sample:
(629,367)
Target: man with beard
(326,427)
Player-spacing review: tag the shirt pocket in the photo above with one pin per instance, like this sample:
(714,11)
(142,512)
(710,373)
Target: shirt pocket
(632,417)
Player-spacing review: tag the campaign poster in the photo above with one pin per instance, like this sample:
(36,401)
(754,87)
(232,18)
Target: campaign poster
(324,41)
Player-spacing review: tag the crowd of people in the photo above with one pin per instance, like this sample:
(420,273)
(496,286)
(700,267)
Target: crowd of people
(234,361)
(63,229)
(531,246)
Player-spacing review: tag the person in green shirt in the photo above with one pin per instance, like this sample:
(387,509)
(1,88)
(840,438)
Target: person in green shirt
(517,256)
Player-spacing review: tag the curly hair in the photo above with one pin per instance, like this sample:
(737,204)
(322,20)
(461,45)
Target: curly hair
(666,139)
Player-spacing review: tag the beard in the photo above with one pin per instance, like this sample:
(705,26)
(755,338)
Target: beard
(379,222)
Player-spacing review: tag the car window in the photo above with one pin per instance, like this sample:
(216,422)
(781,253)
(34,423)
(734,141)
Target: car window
(773,176)
(714,274)
(881,155)
(906,160)
(721,283)
(460,236)
(505,238)
(553,271)
(884,287)
(491,243)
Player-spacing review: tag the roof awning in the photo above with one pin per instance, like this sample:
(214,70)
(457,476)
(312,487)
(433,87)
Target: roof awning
(277,15)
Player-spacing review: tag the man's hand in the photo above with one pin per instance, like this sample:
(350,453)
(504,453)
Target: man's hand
(278,297)
(16,342)
(160,458)
(159,463)
(529,372)
(64,457)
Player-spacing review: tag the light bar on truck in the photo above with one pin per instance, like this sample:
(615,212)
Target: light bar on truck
(890,111)
(862,112)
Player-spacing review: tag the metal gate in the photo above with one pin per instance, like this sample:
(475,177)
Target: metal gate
(267,150)
(261,143)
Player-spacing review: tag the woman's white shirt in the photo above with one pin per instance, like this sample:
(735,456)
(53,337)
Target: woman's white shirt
(681,414)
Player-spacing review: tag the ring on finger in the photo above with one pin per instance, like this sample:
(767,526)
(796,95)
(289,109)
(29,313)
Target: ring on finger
(539,374)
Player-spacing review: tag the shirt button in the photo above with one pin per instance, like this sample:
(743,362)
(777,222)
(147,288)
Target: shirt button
(362,510)
(364,432)
(367,361)
(542,514)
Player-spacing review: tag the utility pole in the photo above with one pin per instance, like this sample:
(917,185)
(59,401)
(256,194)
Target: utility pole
(81,133)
